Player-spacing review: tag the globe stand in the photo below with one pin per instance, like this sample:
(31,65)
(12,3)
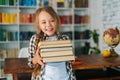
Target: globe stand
(113,52)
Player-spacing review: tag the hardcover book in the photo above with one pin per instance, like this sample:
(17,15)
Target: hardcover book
(56,51)
(54,44)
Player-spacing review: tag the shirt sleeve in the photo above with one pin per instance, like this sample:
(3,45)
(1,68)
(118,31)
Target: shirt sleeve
(31,51)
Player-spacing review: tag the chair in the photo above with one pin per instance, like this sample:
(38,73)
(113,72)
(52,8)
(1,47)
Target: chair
(23,53)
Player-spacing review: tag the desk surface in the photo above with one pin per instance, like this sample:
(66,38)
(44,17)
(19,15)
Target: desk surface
(16,65)
(19,65)
(96,61)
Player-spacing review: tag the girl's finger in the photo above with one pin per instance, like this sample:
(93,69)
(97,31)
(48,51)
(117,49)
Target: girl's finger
(40,62)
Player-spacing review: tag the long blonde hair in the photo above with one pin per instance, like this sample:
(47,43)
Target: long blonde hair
(40,35)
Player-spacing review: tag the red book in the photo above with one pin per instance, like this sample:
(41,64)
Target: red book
(62,20)
(27,18)
(32,18)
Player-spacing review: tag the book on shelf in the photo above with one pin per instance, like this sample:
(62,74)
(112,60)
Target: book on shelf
(12,53)
(8,36)
(8,2)
(66,19)
(55,51)
(8,18)
(9,53)
(25,35)
(26,18)
(64,3)
(81,3)
(28,2)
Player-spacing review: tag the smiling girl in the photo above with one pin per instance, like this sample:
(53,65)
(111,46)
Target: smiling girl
(47,23)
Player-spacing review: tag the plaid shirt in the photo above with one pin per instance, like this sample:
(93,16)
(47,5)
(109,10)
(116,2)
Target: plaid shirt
(31,51)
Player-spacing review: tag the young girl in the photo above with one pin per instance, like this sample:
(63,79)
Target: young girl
(47,23)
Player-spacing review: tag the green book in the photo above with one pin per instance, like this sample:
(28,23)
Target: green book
(3,2)
(0,2)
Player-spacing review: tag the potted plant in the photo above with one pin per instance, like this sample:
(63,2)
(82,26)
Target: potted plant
(95,37)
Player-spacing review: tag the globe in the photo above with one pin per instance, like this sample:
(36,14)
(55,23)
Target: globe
(111,37)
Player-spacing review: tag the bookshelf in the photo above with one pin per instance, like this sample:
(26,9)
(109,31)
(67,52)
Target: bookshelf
(17,25)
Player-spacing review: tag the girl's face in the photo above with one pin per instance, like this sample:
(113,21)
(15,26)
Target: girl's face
(47,23)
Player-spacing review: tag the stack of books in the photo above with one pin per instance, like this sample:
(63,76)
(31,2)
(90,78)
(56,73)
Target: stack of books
(56,51)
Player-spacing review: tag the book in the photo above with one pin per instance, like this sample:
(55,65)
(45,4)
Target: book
(54,42)
(56,53)
(51,44)
(57,45)
(56,49)
(58,58)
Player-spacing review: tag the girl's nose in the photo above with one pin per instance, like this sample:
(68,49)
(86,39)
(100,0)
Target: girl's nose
(48,24)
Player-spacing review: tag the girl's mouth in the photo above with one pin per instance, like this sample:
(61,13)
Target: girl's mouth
(49,29)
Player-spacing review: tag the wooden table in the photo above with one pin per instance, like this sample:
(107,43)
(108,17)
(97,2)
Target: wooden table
(15,66)
(19,65)
(96,61)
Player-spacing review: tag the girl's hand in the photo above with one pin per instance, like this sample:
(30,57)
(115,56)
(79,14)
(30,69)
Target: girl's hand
(37,58)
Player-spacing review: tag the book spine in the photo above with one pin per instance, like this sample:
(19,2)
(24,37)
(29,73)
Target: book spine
(3,35)
(11,18)
(15,2)
(57,45)
(3,2)
(59,59)
(56,49)
(16,36)
(0,2)
(3,17)
(21,2)
(56,53)
(33,3)
(32,18)
(54,42)
(46,2)
(7,18)
(27,2)
(11,2)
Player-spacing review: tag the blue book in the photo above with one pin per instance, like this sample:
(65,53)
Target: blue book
(1,34)
(33,2)
(21,2)
(46,2)
(16,36)
(28,2)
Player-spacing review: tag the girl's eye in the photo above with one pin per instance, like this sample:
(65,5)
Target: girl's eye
(43,22)
(53,20)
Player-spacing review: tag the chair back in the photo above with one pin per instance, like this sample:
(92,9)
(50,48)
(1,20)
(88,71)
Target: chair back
(23,53)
